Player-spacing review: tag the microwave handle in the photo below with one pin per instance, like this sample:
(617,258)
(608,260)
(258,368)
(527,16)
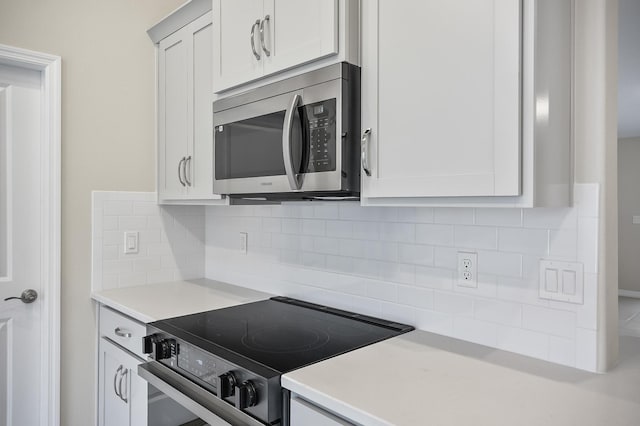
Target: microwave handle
(295,179)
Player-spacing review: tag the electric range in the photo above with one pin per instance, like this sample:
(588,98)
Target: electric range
(227,363)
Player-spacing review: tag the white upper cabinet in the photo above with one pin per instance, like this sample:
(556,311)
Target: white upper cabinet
(236,41)
(253,39)
(304,31)
(185,114)
(449,90)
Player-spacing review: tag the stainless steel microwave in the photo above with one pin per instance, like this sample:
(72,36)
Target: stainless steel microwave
(293,139)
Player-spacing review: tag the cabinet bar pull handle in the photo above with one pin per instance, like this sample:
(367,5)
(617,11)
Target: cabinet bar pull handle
(262,43)
(186,178)
(365,149)
(125,372)
(253,39)
(115,378)
(180,171)
(121,333)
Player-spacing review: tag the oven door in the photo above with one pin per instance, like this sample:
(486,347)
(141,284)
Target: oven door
(286,143)
(194,398)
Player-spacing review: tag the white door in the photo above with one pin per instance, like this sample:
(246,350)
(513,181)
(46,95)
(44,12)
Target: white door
(21,238)
(299,31)
(441,95)
(236,58)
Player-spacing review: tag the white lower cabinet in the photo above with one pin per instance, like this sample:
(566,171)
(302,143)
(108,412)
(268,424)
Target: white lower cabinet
(122,394)
(124,398)
(305,413)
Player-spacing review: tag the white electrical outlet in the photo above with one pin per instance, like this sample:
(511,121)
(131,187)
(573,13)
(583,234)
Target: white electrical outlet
(243,242)
(467,269)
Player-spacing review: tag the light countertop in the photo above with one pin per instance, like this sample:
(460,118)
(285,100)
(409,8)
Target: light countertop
(420,378)
(153,302)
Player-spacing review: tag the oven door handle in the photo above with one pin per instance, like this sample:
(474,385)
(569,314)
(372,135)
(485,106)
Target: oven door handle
(295,179)
(194,398)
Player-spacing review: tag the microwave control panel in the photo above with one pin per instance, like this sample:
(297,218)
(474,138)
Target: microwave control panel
(321,119)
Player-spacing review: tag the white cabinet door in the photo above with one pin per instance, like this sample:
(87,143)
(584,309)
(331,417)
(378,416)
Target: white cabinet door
(199,169)
(122,395)
(235,60)
(441,95)
(299,31)
(173,112)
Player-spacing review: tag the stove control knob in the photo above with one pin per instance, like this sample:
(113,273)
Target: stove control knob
(165,349)
(246,395)
(226,385)
(148,342)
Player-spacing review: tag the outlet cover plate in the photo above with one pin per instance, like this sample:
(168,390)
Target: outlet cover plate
(467,269)
(562,281)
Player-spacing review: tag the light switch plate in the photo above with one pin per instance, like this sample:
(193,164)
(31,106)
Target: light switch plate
(562,281)
(636,220)
(131,242)
(244,242)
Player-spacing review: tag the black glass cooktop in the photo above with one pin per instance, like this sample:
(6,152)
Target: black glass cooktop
(281,334)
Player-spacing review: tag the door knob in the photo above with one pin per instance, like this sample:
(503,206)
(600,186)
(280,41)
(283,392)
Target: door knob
(27,296)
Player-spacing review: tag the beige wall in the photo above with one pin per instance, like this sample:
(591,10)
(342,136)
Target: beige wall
(629,202)
(107,142)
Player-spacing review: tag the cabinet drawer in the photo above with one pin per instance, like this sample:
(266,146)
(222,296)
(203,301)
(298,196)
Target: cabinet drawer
(122,330)
(306,413)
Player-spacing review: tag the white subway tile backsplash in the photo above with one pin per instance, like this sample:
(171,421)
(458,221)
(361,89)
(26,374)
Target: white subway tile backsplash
(550,321)
(475,237)
(397,272)
(505,313)
(525,342)
(435,322)
(588,243)
(563,243)
(326,211)
(437,235)
(499,263)
(398,232)
(472,330)
(339,229)
(435,278)
(529,241)
(415,254)
(382,290)
(171,240)
(326,245)
(366,230)
(586,349)
(117,208)
(313,227)
(418,297)
(498,217)
(458,216)
(398,263)
(557,218)
(451,303)
(562,351)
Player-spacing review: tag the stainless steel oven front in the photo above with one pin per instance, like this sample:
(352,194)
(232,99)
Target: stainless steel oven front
(297,138)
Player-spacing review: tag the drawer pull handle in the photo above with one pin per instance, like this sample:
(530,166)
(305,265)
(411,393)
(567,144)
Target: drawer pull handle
(121,333)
